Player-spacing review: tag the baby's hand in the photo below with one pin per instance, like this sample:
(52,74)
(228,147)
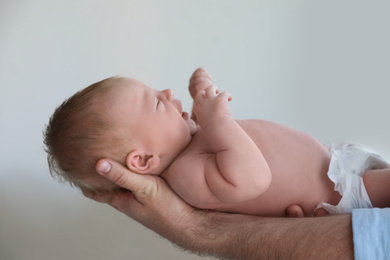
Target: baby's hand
(200,80)
(210,105)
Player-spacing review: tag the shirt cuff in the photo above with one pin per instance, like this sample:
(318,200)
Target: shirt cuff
(371,233)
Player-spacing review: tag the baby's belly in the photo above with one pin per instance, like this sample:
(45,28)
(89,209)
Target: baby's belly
(299,165)
(275,201)
(276,205)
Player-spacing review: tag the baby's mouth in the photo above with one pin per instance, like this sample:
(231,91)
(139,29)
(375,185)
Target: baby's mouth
(185,115)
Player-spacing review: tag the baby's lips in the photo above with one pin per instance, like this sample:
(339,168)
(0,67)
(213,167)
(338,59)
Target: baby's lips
(185,115)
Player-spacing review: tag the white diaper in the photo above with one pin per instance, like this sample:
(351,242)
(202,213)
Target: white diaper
(346,169)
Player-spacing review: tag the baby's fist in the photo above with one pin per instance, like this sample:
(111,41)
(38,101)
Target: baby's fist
(200,80)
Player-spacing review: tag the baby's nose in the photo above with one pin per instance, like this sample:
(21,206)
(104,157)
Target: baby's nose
(168,94)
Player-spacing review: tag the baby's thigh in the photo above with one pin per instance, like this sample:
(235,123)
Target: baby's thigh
(377,183)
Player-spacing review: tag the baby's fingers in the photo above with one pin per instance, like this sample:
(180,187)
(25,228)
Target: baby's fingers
(200,80)
(225,95)
(211,91)
(200,73)
(198,85)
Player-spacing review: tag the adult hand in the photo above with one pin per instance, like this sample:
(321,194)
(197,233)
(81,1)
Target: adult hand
(147,199)
(150,201)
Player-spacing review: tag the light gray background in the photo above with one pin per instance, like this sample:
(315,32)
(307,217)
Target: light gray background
(318,66)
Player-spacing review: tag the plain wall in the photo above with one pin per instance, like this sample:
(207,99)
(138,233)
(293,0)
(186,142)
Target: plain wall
(319,66)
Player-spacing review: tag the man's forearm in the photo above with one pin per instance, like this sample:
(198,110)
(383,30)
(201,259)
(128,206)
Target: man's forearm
(234,236)
(231,236)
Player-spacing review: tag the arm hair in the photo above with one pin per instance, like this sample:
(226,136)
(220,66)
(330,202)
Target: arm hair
(235,236)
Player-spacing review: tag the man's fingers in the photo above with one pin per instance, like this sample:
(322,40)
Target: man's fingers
(102,197)
(122,200)
(116,173)
(140,185)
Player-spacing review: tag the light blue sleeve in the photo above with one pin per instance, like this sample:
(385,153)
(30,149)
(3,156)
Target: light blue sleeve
(371,233)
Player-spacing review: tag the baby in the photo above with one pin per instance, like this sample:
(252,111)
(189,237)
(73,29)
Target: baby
(211,160)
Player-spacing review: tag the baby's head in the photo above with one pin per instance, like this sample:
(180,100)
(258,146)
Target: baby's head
(120,119)
(79,134)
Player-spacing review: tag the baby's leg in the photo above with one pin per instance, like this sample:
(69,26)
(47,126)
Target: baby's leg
(321,212)
(377,183)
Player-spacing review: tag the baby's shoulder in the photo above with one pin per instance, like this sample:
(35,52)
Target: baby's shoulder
(193,158)
(190,158)
(186,177)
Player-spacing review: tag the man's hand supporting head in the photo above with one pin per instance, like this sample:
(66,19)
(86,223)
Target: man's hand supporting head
(150,201)
(145,198)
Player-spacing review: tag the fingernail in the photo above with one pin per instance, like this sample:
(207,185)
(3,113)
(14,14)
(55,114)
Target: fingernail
(104,168)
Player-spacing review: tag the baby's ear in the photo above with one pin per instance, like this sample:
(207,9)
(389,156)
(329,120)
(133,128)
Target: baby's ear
(140,162)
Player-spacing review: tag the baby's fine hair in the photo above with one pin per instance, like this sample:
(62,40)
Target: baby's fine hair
(75,137)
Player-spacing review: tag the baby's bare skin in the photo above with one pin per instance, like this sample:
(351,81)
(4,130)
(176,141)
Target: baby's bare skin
(297,164)
(215,162)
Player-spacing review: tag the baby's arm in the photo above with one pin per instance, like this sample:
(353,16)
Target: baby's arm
(235,169)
